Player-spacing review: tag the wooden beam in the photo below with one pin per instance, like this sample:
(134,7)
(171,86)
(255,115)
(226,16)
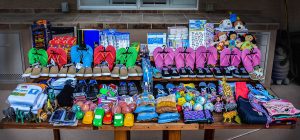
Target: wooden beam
(56,134)
(209,134)
(122,135)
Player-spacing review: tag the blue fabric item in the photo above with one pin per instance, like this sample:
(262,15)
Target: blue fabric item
(146,116)
(247,113)
(84,56)
(91,37)
(168,115)
(141,109)
(168,120)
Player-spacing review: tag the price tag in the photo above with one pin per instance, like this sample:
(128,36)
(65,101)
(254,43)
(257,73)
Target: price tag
(52,62)
(79,66)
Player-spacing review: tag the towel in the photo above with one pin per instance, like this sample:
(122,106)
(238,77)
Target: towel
(26,94)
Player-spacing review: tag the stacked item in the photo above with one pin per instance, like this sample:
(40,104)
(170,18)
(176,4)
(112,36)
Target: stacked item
(145,109)
(37,58)
(62,117)
(195,105)
(259,107)
(166,107)
(41,33)
(114,38)
(65,42)
(29,96)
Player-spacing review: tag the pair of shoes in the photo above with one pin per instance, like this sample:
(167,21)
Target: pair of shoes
(170,73)
(220,73)
(127,56)
(128,89)
(156,72)
(240,73)
(186,72)
(86,91)
(120,71)
(105,54)
(102,70)
(65,71)
(135,71)
(32,72)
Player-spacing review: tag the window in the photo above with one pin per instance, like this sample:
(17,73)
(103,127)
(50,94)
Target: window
(137,4)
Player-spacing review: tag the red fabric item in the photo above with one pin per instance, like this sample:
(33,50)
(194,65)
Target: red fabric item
(99,55)
(110,56)
(58,55)
(241,89)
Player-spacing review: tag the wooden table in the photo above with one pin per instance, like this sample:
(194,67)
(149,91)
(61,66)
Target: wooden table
(171,131)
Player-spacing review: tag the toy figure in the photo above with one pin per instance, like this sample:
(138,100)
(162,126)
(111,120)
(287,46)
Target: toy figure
(218,105)
(99,114)
(248,42)
(48,107)
(42,115)
(227,92)
(9,113)
(222,41)
(30,116)
(232,37)
(118,120)
(79,115)
(88,117)
(239,26)
(129,119)
(225,25)
(181,101)
(229,115)
(19,115)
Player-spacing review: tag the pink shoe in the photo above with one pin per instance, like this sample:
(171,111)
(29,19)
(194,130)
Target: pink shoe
(179,58)
(201,56)
(190,58)
(158,58)
(235,57)
(247,60)
(256,56)
(225,57)
(169,57)
(212,56)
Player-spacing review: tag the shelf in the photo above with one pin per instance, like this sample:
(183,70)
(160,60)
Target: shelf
(202,79)
(101,78)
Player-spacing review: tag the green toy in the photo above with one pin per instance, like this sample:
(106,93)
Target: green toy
(79,115)
(30,116)
(118,120)
(19,115)
(99,114)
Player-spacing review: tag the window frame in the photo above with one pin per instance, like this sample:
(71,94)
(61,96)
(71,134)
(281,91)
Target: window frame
(138,6)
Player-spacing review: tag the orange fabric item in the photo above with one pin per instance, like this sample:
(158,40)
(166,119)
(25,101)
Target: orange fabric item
(241,89)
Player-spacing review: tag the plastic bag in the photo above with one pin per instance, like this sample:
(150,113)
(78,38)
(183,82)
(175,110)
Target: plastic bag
(147,116)
(168,115)
(141,109)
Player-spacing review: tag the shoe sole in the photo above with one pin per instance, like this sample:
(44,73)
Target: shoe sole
(79,75)
(62,75)
(44,75)
(71,75)
(97,75)
(229,76)
(53,75)
(219,76)
(237,76)
(125,77)
(192,76)
(175,77)
(184,76)
(106,74)
(87,75)
(209,76)
(203,76)
(140,74)
(115,75)
(34,76)
(133,74)
(166,77)
(245,76)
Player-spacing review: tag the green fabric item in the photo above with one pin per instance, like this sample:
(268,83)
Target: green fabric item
(121,56)
(38,56)
(131,57)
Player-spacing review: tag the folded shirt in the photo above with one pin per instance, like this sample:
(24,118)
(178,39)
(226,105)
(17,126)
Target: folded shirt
(26,94)
(280,107)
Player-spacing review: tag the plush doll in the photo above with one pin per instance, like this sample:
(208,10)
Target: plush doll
(248,42)
(225,25)
(222,41)
(232,40)
(219,105)
(239,26)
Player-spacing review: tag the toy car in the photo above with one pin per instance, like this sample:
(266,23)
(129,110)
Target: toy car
(99,113)
(88,117)
(118,120)
(107,119)
(129,119)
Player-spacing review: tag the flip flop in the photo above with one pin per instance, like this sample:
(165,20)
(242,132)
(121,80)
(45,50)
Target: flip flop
(120,56)
(256,56)
(110,56)
(75,54)
(201,56)
(179,58)
(158,58)
(235,57)
(42,57)
(190,58)
(225,57)
(169,57)
(212,56)
(131,57)
(58,55)
(87,56)
(32,56)
(99,55)
(247,60)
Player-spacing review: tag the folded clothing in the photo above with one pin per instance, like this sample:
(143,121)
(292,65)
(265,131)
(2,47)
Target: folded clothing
(147,116)
(202,116)
(280,107)
(26,94)
(40,103)
(248,114)
(141,109)
(166,104)
(168,117)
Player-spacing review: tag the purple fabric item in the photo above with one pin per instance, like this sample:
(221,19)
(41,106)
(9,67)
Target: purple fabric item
(201,57)
(169,57)
(225,57)
(190,58)
(235,57)
(212,56)
(158,58)
(179,58)
(259,108)
(247,60)
(198,116)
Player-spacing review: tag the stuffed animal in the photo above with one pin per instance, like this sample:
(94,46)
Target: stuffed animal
(232,40)
(225,25)
(239,26)
(248,42)
(222,41)
(228,116)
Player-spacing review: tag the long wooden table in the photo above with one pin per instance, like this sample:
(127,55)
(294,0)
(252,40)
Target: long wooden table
(171,131)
